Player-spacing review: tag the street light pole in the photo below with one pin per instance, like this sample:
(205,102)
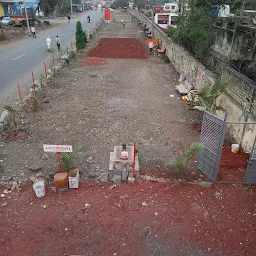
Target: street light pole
(83,5)
(26,13)
(71,8)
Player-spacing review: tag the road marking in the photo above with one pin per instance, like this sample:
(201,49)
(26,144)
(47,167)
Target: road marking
(19,56)
(61,34)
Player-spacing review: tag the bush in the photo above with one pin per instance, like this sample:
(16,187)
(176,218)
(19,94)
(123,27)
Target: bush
(80,36)
(183,160)
(68,161)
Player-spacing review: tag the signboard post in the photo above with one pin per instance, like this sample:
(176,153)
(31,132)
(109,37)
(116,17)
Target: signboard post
(58,149)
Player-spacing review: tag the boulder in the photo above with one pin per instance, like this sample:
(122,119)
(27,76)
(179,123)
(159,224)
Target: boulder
(5,118)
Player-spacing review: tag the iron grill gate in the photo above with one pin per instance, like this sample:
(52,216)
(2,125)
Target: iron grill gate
(250,176)
(212,138)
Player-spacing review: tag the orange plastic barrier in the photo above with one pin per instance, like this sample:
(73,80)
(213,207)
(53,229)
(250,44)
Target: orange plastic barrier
(155,42)
(107,14)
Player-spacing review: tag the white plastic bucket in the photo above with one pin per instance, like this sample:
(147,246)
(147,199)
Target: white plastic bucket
(39,189)
(235,148)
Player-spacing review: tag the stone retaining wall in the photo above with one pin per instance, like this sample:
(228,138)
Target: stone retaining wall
(240,99)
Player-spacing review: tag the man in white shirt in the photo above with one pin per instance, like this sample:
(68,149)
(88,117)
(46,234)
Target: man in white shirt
(48,43)
(122,21)
(150,46)
(33,30)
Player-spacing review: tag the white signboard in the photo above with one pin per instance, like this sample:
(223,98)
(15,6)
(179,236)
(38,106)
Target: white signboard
(57,148)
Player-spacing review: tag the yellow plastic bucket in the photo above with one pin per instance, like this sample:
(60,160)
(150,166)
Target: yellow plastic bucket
(235,148)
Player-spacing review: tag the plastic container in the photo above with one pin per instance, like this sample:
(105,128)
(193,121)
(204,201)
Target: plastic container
(235,148)
(73,178)
(39,189)
(61,181)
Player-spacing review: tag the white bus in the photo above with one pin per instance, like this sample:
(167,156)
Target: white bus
(164,20)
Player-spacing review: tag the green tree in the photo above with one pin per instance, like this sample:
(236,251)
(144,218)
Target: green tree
(121,3)
(195,31)
(80,36)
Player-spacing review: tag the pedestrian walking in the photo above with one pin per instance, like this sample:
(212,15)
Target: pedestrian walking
(58,43)
(124,24)
(150,46)
(122,21)
(48,43)
(33,30)
(68,19)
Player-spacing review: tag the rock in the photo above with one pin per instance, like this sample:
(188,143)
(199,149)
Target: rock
(5,118)
(39,175)
(15,186)
(113,186)
(131,180)
(145,177)
(205,184)
(45,156)
(35,168)
(161,180)
(4,204)
(53,189)
(46,100)
(92,175)
(44,206)
(33,178)
(6,191)
(124,196)
(87,205)
(2,195)
(144,204)
(89,159)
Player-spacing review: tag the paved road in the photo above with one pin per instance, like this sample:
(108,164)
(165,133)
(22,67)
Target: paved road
(19,59)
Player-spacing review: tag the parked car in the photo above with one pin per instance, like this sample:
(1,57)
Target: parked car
(6,21)
(111,9)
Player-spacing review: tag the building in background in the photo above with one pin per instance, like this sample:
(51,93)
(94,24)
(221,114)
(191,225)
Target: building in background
(14,7)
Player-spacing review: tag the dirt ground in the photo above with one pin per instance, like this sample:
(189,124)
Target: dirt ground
(130,219)
(95,108)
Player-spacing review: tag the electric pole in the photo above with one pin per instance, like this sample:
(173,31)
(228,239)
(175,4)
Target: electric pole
(71,8)
(26,14)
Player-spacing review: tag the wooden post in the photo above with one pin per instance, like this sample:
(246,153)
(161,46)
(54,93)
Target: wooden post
(19,94)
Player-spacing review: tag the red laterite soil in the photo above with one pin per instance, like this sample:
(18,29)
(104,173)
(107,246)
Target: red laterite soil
(122,48)
(232,166)
(139,219)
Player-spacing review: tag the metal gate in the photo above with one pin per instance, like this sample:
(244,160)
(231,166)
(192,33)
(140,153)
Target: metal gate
(212,138)
(250,176)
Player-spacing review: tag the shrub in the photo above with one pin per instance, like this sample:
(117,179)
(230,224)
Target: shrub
(68,161)
(80,36)
(182,162)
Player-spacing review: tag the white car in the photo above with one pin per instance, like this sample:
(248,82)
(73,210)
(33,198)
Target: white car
(6,21)
(111,9)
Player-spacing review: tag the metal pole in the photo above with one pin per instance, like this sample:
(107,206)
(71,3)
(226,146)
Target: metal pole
(26,13)
(241,122)
(235,30)
(83,5)
(71,8)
